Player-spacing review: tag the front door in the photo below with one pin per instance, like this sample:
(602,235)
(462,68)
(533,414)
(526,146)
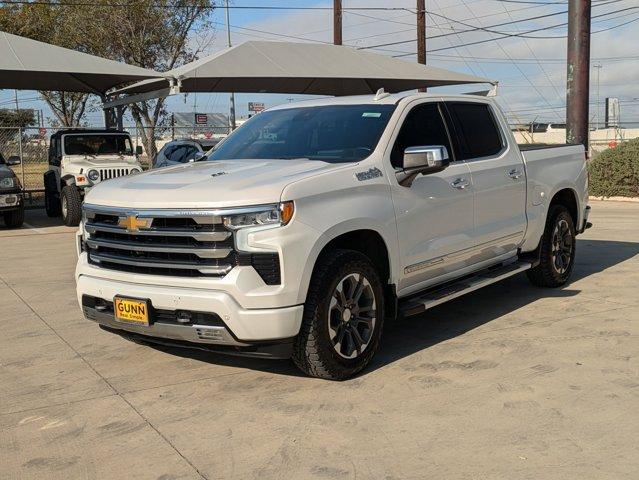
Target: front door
(498,176)
(435,213)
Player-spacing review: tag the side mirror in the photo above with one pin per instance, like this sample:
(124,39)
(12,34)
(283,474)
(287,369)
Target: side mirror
(423,159)
(199,156)
(139,150)
(14,160)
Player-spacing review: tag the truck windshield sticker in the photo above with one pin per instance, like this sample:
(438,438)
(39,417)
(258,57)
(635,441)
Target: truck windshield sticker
(371,114)
(369,174)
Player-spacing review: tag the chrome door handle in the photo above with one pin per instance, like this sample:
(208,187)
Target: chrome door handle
(459,183)
(515,174)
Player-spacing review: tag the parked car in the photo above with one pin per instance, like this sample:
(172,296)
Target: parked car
(11,201)
(352,210)
(80,159)
(188,150)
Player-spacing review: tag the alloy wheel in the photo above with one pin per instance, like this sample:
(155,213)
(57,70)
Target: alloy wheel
(352,315)
(562,247)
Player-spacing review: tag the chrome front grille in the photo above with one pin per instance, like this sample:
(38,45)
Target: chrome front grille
(108,173)
(159,242)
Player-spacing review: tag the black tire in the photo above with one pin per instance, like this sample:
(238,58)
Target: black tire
(71,203)
(314,351)
(14,218)
(556,263)
(52,204)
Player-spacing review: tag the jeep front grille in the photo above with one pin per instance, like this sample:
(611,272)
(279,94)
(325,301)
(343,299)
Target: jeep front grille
(159,242)
(108,173)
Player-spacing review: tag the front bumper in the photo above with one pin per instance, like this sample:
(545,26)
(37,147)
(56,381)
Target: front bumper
(239,328)
(10,201)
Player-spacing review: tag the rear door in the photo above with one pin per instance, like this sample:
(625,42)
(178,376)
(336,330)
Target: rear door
(434,214)
(498,177)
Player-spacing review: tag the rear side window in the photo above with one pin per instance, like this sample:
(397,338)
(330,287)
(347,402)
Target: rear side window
(476,129)
(422,127)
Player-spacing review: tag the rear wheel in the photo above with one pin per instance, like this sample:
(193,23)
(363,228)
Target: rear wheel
(557,250)
(343,317)
(14,218)
(71,203)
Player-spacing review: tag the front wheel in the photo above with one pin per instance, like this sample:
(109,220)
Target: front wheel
(557,250)
(71,206)
(14,218)
(343,317)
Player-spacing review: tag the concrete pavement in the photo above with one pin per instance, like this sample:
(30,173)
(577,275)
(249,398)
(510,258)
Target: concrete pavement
(510,382)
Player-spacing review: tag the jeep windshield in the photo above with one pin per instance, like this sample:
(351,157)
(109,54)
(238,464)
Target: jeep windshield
(97,144)
(334,134)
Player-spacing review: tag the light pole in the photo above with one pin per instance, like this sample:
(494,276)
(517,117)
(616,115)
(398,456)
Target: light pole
(232,100)
(598,66)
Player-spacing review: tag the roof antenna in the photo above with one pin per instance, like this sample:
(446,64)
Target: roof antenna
(381,94)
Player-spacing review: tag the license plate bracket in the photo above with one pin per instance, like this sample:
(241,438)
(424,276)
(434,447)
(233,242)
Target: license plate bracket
(131,310)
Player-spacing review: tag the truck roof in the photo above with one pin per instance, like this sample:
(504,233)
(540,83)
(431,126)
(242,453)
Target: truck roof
(388,99)
(67,131)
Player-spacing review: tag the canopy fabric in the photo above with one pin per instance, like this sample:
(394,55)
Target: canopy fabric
(302,68)
(27,64)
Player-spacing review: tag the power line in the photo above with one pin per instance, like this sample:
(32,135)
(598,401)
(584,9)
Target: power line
(530,31)
(207,7)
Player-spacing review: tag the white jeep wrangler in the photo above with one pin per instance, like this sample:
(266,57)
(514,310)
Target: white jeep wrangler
(80,159)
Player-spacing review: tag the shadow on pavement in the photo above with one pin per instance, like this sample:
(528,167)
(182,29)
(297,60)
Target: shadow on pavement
(410,335)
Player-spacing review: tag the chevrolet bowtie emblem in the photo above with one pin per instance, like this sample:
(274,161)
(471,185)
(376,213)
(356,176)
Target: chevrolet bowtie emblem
(133,223)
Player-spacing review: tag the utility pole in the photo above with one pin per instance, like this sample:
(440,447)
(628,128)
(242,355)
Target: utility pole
(421,34)
(228,37)
(578,72)
(337,22)
(598,66)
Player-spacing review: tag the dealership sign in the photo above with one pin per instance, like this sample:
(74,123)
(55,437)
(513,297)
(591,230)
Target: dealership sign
(255,107)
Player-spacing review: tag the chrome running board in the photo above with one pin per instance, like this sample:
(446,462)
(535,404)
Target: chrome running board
(420,302)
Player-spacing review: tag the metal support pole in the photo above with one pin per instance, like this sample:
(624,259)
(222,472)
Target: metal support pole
(232,99)
(598,66)
(19,138)
(337,22)
(578,72)
(421,34)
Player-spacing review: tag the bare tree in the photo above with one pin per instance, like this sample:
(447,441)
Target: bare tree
(146,33)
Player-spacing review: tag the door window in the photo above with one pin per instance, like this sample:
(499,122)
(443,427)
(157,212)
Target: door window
(476,129)
(423,126)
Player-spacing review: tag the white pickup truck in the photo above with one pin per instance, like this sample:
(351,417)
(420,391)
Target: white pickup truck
(314,223)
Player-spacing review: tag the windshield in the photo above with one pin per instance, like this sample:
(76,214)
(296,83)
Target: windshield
(96,144)
(336,133)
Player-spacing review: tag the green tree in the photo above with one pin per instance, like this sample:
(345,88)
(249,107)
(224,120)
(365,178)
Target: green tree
(20,118)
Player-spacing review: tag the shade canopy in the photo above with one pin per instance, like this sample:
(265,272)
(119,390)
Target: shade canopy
(27,64)
(302,68)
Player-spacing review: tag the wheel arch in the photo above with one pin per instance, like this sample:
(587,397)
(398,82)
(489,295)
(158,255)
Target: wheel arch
(366,239)
(568,198)
(66,181)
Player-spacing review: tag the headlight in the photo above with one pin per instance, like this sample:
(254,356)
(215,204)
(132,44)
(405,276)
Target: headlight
(277,215)
(7,182)
(93,175)
(133,171)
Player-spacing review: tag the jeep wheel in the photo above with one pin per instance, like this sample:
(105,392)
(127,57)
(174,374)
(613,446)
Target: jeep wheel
(52,203)
(343,317)
(14,218)
(557,255)
(71,203)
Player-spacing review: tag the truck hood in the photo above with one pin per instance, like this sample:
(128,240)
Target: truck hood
(207,184)
(101,160)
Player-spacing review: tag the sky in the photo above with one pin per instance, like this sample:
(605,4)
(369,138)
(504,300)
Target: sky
(531,71)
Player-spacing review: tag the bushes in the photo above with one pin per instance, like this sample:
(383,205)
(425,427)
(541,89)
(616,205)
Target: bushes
(615,172)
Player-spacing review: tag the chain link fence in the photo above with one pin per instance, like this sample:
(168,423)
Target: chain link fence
(31,144)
